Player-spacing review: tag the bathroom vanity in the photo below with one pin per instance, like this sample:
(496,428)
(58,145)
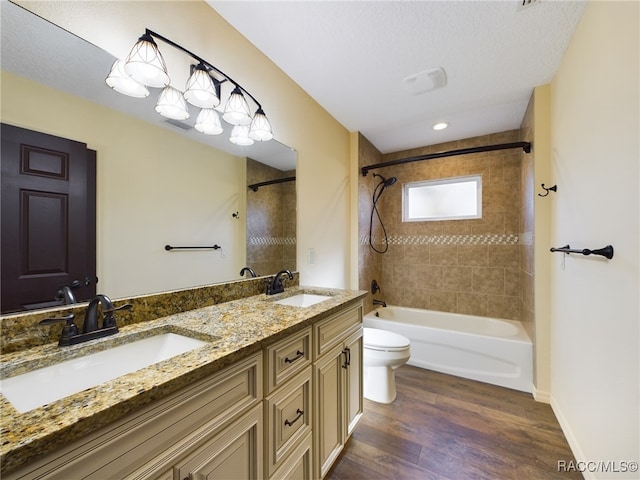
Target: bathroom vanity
(274,393)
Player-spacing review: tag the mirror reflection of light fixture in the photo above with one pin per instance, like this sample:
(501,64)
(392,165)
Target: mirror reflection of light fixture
(171,104)
(146,66)
(121,82)
(240,135)
(208,122)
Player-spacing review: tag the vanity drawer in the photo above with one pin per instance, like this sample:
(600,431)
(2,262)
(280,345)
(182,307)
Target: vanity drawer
(286,358)
(288,418)
(329,332)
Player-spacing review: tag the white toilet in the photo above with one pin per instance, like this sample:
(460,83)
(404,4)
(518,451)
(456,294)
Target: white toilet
(384,351)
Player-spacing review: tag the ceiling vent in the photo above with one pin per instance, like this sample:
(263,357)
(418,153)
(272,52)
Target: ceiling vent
(425,81)
(179,124)
(522,4)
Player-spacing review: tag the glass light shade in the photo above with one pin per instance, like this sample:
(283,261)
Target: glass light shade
(172,104)
(260,129)
(208,122)
(236,112)
(240,135)
(145,63)
(123,83)
(200,90)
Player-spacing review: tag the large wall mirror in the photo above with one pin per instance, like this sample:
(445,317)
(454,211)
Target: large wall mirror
(158,182)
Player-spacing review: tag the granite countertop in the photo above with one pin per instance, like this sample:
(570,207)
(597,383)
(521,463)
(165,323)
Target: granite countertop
(234,329)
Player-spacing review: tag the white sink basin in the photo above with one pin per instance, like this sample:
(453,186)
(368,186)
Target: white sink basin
(303,300)
(45,385)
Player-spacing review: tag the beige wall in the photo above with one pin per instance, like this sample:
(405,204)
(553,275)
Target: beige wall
(155,187)
(461,266)
(321,142)
(535,217)
(595,309)
(370,262)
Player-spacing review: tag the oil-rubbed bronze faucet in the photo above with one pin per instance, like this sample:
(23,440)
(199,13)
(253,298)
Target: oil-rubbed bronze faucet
(248,270)
(90,329)
(276,284)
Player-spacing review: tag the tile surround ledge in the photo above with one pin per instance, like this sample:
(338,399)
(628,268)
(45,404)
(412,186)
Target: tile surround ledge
(235,329)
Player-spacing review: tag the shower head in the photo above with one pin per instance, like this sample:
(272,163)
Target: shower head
(386,182)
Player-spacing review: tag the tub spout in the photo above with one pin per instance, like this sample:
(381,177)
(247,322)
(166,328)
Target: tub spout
(379,302)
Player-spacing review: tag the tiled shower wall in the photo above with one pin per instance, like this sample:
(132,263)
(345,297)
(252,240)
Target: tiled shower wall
(271,220)
(462,266)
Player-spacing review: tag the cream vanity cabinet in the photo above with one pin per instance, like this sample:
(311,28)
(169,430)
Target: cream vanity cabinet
(282,413)
(213,427)
(337,382)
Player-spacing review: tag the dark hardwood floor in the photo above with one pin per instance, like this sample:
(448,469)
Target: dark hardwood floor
(448,428)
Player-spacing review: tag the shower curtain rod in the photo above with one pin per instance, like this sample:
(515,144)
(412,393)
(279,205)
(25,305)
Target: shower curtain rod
(256,186)
(526,147)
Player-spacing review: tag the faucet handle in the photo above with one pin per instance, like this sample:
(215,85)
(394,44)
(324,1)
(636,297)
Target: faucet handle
(109,319)
(69,330)
(126,306)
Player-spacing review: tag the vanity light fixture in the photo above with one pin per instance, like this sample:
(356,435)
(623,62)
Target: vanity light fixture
(200,90)
(145,67)
(145,63)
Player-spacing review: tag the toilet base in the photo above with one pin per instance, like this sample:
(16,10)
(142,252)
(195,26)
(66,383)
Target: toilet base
(379,384)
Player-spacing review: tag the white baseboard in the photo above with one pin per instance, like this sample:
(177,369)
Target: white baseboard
(541,396)
(571,438)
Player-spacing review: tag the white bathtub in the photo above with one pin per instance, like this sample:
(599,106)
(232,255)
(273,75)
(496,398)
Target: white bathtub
(485,349)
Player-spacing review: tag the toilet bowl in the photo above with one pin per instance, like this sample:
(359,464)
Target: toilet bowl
(383,352)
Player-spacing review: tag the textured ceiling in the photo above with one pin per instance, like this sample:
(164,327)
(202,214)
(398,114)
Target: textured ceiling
(352,58)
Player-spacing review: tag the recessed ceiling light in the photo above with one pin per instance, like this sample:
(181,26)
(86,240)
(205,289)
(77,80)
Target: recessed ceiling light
(440,126)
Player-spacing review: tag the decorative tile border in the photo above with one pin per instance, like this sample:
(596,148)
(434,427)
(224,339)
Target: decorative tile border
(272,241)
(499,239)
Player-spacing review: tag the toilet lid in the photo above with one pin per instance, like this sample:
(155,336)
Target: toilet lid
(384,339)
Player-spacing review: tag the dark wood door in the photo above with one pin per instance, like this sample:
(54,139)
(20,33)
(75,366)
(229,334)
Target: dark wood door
(48,219)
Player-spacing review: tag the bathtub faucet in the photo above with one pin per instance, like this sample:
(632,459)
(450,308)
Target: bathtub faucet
(379,302)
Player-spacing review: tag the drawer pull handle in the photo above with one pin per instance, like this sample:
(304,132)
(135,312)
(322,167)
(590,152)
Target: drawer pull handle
(289,423)
(299,355)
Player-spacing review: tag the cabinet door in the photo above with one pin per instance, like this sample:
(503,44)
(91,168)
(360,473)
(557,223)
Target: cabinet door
(234,454)
(353,382)
(299,465)
(328,427)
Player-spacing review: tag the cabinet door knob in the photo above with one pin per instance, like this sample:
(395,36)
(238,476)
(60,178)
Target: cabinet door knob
(299,355)
(289,423)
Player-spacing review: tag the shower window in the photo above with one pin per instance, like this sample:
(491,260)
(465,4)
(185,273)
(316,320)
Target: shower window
(446,199)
